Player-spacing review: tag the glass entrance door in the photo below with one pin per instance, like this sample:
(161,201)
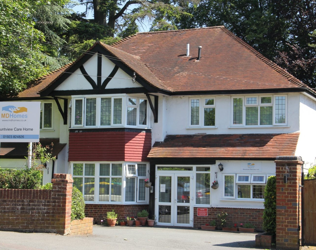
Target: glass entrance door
(174,199)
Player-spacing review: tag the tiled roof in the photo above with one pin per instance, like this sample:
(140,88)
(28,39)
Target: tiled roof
(227,63)
(19,150)
(41,83)
(239,146)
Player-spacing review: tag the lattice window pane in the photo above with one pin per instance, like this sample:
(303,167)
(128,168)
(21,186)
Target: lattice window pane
(258,191)
(195,110)
(131,116)
(104,189)
(131,169)
(229,186)
(91,112)
(105,111)
(89,169)
(117,112)
(116,169)
(244,191)
(266,115)
(142,112)
(280,108)
(78,169)
(141,169)
(104,169)
(141,190)
(88,189)
(78,112)
(48,115)
(251,100)
(251,115)
(116,189)
(237,111)
(130,189)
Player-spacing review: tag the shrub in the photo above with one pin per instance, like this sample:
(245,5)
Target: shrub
(311,173)
(222,219)
(77,205)
(20,179)
(111,215)
(269,214)
(143,213)
(47,186)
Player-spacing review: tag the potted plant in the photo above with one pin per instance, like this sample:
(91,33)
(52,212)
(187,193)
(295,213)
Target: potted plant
(142,217)
(111,218)
(122,222)
(137,223)
(222,219)
(214,184)
(247,227)
(130,221)
(233,228)
(210,227)
(151,222)
(147,183)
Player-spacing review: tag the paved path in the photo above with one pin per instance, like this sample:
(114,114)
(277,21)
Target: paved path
(131,238)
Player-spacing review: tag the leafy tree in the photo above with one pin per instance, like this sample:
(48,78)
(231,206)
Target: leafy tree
(120,16)
(29,42)
(269,213)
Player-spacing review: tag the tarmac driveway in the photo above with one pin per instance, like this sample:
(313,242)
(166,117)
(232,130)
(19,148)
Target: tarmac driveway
(129,238)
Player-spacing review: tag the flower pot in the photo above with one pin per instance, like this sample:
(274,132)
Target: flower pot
(246,230)
(150,223)
(264,240)
(122,223)
(147,184)
(230,229)
(215,186)
(130,222)
(137,223)
(142,220)
(209,228)
(111,222)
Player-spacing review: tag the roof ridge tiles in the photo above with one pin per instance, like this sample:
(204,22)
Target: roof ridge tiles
(270,63)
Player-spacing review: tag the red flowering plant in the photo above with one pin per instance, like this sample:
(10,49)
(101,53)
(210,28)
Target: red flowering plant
(146,180)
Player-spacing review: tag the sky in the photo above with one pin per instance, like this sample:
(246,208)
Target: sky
(144,27)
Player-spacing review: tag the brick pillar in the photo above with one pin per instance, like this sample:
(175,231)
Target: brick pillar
(288,202)
(62,193)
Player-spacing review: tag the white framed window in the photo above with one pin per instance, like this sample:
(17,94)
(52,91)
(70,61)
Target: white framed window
(258,178)
(259,110)
(202,185)
(84,179)
(202,112)
(91,112)
(46,115)
(131,170)
(108,182)
(136,111)
(243,178)
(280,110)
(229,186)
(78,112)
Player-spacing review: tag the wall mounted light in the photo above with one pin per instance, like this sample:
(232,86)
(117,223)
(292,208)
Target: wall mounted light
(220,167)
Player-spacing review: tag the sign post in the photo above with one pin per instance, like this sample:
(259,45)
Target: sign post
(19,122)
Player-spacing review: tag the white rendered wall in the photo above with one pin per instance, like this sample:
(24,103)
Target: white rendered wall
(177,111)
(307,139)
(78,82)
(159,128)
(235,167)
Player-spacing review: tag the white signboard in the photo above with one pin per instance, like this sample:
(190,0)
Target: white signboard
(162,188)
(251,167)
(19,121)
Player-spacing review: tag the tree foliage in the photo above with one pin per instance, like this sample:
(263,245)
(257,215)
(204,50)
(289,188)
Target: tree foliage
(20,179)
(269,213)
(77,205)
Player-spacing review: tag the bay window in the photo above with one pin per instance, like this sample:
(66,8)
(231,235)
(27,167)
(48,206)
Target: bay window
(110,183)
(202,112)
(109,111)
(259,110)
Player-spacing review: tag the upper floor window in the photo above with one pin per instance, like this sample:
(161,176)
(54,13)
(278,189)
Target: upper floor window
(109,111)
(202,112)
(46,116)
(259,111)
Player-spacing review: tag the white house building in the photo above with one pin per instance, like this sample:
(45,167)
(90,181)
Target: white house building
(198,112)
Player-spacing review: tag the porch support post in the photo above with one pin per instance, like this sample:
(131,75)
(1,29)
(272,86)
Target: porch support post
(288,202)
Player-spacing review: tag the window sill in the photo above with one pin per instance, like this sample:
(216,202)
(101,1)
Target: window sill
(47,130)
(258,127)
(110,127)
(243,200)
(116,203)
(199,128)
(202,205)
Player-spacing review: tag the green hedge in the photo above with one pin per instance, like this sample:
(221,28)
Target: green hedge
(77,205)
(269,214)
(20,179)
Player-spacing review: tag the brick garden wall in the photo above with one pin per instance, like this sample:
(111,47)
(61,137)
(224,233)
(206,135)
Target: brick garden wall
(98,211)
(38,210)
(235,216)
(82,227)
